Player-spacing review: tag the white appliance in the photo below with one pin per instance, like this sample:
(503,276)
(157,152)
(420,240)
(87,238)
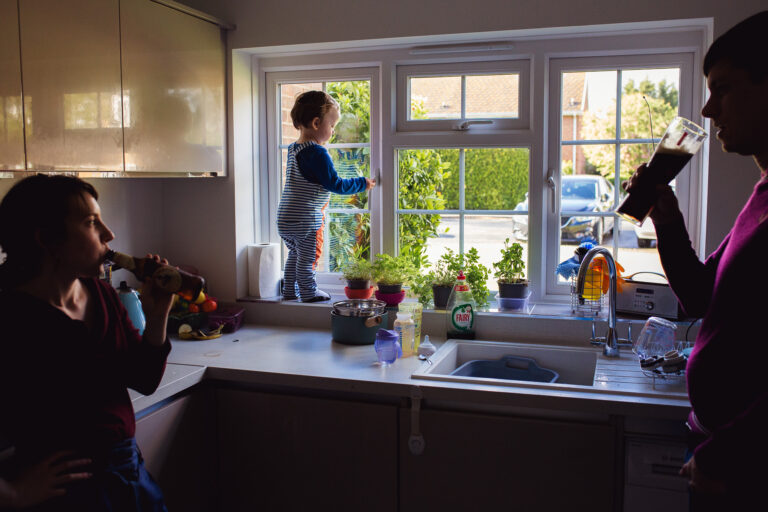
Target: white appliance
(647,298)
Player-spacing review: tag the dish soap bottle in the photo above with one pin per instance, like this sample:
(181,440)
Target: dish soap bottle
(461,311)
(405,328)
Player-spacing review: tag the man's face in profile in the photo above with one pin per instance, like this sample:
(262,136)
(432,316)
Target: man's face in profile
(738,108)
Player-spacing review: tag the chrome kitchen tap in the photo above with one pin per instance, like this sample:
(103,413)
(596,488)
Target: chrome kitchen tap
(611,341)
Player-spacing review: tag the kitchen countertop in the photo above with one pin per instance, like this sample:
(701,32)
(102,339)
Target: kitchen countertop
(299,358)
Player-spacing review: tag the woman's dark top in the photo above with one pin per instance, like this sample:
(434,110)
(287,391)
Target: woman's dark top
(63,386)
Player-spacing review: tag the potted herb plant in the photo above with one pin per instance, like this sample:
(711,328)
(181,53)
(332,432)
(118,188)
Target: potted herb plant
(392,272)
(440,280)
(358,273)
(436,283)
(510,272)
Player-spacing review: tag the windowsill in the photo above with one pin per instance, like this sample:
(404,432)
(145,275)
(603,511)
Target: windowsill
(549,323)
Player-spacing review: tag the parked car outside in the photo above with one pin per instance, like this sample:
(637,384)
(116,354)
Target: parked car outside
(580,193)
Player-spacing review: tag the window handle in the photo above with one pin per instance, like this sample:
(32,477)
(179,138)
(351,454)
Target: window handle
(552,184)
(462,127)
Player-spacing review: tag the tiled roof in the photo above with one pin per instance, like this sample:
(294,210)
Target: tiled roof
(574,92)
(486,94)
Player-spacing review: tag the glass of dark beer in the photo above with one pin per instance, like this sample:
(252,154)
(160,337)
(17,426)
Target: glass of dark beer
(680,142)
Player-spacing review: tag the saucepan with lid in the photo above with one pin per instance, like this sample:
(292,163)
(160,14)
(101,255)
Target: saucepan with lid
(359,307)
(356,321)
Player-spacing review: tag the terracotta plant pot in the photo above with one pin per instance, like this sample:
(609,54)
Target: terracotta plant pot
(513,290)
(358,284)
(390,288)
(441,294)
(354,293)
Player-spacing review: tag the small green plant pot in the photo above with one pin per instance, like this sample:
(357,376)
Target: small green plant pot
(513,290)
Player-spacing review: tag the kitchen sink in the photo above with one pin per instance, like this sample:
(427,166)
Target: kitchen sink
(575,366)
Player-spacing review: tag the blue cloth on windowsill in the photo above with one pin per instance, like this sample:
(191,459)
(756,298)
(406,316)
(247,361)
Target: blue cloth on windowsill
(570,267)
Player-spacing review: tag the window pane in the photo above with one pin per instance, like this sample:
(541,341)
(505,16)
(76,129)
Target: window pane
(428,179)
(351,163)
(589,105)
(637,249)
(493,96)
(660,88)
(288,93)
(576,229)
(435,97)
(424,238)
(495,178)
(592,159)
(346,234)
(632,156)
(354,99)
(487,233)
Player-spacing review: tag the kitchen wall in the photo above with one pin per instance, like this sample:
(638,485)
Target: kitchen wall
(132,208)
(208,222)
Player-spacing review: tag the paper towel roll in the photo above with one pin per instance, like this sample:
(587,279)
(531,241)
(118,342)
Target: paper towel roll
(263,270)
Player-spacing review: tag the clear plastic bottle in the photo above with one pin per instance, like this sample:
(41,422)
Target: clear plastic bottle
(460,321)
(405,328)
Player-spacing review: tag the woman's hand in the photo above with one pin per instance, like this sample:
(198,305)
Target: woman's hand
(43,481)
(369,183)
(156,304)
(700,482)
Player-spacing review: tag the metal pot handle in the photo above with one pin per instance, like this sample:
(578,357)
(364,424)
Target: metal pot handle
(372,321)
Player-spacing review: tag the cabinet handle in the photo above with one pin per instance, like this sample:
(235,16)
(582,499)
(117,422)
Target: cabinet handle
(415,440)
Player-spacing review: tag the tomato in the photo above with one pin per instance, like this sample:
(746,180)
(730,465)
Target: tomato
(209,305)
(194,308)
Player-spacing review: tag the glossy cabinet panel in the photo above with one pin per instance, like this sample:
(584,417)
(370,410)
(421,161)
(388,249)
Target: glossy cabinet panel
(173,91)
(11,126)
(70,54)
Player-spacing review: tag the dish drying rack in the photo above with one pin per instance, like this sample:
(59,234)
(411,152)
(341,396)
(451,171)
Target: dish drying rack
(678,376)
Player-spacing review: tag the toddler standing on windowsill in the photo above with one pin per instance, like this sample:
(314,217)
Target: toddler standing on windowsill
(309,180)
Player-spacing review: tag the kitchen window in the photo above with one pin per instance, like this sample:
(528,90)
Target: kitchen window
(528,140)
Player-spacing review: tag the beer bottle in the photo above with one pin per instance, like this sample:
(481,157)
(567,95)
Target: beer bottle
(170,279)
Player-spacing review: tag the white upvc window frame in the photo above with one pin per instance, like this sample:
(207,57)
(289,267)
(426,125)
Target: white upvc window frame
(275,78)
(520,67)
(688,184)
(540,50)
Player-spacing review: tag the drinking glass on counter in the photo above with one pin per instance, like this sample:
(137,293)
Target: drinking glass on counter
(656,339)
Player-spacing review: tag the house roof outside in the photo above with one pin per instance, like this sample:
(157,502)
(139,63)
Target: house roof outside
(486,96)
(574,97)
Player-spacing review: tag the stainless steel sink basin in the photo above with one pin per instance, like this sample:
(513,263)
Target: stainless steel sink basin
(575,366)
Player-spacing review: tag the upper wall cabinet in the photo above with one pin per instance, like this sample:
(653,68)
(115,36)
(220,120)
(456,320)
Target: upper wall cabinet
(11,125)
(111,88)
(70,55)
(173,90)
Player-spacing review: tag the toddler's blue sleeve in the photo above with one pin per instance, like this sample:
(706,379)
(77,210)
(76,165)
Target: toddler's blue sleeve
(316,166)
